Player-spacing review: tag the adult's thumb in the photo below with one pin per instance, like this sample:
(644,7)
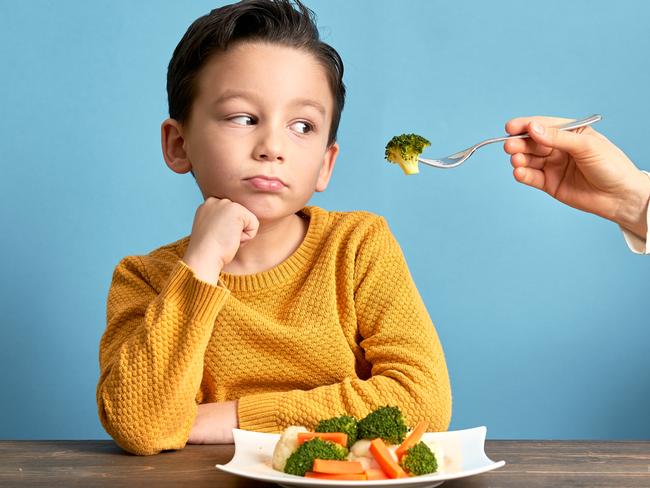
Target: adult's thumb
(564,140)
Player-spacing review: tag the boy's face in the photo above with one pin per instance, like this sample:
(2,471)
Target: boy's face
(258,129)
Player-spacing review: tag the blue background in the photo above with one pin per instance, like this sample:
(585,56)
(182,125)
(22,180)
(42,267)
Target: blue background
(542,310)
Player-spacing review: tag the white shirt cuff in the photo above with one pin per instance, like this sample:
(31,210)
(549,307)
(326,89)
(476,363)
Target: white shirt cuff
(635,243)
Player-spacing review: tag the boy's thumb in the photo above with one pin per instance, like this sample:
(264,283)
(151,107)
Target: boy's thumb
(564,140)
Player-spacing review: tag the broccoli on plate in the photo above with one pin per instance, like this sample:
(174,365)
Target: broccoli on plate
(419,460)
(385,422)
(302,459)
(345,423)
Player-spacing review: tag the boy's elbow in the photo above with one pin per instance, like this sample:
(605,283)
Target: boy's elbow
(142,441)
(144,447)
(138,435)
(138,445)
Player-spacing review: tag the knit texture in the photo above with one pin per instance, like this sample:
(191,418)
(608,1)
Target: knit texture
(337,328)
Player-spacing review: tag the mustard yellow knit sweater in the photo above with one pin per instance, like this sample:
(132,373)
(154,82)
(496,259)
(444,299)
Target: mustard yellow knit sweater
(338,327)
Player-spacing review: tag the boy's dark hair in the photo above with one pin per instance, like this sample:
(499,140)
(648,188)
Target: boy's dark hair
(274,21)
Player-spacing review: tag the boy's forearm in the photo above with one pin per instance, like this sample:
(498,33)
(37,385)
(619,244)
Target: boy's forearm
(152,363)
(274,411)
(214,423)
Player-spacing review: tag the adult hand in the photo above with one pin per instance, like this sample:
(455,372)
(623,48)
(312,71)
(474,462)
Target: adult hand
(580,168)
(214,423)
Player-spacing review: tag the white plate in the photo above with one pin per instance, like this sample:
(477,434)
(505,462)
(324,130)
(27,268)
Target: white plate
(463,449)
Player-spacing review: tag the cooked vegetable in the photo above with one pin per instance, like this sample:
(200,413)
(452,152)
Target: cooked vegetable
(360,452)
(385,422)
(329,453)
(405,150)
(345,423)
(412,439)
(286,445)
(327,466)
(302,459)
(360,448)
(385,459)
(344,476)
(419,460)
(336,437)
(376,474)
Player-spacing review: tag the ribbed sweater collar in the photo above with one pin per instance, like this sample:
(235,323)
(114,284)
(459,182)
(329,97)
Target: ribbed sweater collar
(295,264)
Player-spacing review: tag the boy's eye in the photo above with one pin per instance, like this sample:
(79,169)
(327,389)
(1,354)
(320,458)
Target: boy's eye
(242,120)
(302,127)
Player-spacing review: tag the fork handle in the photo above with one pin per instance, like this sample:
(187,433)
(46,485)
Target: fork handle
(576,124)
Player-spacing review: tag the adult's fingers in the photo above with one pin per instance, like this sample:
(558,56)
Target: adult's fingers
(564,140)
(520,160)
(520,124)
(526,146)
(531,177)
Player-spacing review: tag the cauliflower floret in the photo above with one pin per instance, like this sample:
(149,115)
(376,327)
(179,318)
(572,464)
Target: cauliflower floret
(361,448)
(287,443)
(360,451)
(366,462)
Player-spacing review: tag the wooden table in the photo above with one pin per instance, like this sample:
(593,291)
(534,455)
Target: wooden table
(101,463)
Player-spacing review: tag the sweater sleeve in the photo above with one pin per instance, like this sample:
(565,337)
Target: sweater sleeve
(151,356)
(399,341)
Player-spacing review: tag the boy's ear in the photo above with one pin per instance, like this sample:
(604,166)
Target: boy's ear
(173,146)
(327,167)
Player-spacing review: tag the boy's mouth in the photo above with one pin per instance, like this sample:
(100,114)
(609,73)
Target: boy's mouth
(266,183)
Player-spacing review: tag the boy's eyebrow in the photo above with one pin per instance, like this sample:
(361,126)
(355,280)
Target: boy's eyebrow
(310,103)
(230,94)
(233,94)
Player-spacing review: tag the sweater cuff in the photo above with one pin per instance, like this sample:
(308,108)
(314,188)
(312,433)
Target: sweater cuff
(259,412)
(635,243)
(198,299)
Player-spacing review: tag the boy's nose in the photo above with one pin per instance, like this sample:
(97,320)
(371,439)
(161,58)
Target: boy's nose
(269,146)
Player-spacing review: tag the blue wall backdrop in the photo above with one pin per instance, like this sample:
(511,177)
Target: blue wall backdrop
(542,310)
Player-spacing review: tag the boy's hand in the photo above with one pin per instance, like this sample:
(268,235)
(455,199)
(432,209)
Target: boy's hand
(220,228)
(582,169)
(214,423)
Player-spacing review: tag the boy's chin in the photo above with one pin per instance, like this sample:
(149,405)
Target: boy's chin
(271,212)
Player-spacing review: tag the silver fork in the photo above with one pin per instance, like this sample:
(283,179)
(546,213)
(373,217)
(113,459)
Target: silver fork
(462,156)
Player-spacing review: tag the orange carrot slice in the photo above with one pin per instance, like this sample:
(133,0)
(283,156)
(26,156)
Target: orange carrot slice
(413,438)
(339,476)
(383,456)
(376,474)
(328,466)
(337,437)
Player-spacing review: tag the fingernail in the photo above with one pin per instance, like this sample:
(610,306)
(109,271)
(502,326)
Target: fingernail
(537,128)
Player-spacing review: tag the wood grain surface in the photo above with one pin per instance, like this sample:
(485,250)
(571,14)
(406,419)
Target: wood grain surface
(530,464)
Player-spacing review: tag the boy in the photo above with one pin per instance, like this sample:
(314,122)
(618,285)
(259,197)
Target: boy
(270,313)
